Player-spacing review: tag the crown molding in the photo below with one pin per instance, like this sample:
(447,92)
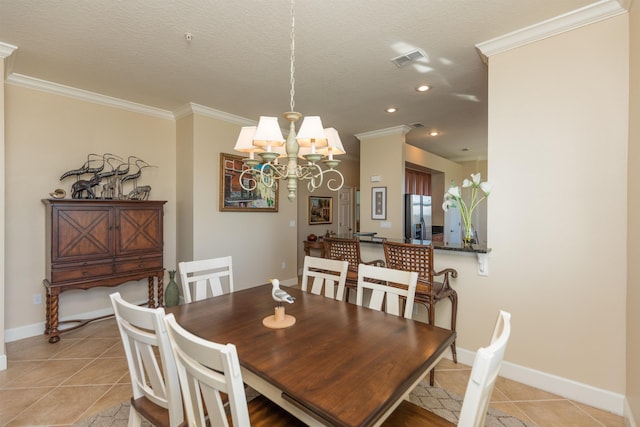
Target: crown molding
(192,108)
(396,130)
(590,14)
(83,95)
(7,50)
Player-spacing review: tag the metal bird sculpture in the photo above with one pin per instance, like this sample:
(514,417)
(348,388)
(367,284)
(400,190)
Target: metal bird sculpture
(279,295)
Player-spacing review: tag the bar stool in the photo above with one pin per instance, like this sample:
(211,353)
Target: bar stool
(412,257)
(347,250)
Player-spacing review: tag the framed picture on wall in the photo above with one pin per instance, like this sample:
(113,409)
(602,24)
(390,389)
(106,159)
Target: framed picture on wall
(320,210)
(379,203)
(235,198)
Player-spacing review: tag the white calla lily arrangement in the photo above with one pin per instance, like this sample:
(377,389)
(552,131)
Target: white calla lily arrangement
(480,190)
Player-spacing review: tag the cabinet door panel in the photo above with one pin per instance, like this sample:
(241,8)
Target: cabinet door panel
(82,234)
(138,230)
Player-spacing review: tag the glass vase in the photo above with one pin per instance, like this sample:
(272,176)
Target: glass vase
(468,237)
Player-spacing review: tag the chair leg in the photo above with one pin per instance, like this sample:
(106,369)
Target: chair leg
(454,314)
(135,420)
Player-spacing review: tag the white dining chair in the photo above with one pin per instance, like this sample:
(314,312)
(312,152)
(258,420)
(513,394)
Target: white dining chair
(479,387)
(154,378)
(390,289)
(202,278)
(207,370)
(328,277)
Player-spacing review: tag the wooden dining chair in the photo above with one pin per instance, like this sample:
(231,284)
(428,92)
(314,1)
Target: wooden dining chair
(154,378)
(207,370)
(384,295)
(484,373)
(412,257)
(202,278)
(328,277)
(348,250)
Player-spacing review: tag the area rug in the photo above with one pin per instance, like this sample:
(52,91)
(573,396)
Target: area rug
(434,399)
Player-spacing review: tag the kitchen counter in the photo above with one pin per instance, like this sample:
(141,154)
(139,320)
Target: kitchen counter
(372,238)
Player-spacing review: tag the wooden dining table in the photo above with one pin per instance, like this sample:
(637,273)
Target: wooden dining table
(338,365)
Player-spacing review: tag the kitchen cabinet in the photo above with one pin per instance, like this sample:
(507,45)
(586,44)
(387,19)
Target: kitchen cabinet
(91,243)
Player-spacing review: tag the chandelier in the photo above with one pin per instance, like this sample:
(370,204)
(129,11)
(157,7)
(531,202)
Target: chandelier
(312,143)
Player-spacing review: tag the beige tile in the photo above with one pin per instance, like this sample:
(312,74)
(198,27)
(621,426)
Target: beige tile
(106,328)
(16,401)
(63,406)
(606,418)
(16,369)
(447,364)
(88,348)
(36,348)
(117,394)
(510,408)
(554,413)
(116,350)
(454,381)
(518,391)
(100,371)
(48,373)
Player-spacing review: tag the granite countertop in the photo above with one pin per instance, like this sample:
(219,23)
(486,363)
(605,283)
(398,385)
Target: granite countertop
(374,239)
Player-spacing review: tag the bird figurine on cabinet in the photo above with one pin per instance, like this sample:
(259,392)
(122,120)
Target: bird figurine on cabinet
(279,319)
(279,295)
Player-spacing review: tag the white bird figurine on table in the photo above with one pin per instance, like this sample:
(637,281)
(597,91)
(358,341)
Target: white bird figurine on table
(279,295)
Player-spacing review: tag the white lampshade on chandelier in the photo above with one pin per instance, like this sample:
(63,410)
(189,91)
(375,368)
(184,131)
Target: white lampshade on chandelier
(311,143)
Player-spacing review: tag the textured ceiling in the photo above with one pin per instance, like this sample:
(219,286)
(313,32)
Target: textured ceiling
(238,58)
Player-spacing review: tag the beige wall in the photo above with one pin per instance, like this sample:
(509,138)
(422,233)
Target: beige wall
(184,188)
(259,242)
(558,123)
(633,221)
(47,135)
(350,169)
(381,154)
(3,360)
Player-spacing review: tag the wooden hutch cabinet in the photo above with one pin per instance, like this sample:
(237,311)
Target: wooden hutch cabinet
(94,243)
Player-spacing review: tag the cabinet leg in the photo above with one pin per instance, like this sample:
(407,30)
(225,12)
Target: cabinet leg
(161,289)
(152,293)
(51,326)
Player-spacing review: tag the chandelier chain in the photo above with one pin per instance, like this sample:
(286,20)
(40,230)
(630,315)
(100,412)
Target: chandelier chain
(292,70)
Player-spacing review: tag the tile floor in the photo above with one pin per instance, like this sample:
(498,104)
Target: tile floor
(86,372)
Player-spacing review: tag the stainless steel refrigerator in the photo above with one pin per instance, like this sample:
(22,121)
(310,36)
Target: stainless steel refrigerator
(417,217)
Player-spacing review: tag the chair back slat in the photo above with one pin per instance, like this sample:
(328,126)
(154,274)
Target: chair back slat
(329,277)
(151,364)
(343,250)
(389,288)
(410,257)
(206,370)
(202,278)
(484,374)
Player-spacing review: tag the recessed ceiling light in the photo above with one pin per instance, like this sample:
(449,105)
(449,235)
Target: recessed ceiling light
(391,110)
(423,88)
(434,133)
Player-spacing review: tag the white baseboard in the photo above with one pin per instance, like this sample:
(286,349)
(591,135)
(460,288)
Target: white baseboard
(36,329)
(579,392)
(628,415)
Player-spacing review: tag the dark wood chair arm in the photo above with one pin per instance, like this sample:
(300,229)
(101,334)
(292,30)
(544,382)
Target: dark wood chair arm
(376,262)
(446,272)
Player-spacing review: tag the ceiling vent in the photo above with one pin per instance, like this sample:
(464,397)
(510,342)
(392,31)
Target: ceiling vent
(416,125)
(408,57)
